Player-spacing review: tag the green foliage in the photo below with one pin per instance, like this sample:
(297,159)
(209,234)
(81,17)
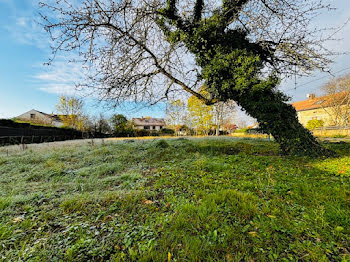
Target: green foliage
(167,131)
(197,199)
(233,68)
(119,124)
(71,113)
(162,144)
(339,136)
(312,124)
(200,114)
(242,130)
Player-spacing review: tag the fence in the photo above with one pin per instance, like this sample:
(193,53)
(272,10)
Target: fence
(332,131)
(22,133)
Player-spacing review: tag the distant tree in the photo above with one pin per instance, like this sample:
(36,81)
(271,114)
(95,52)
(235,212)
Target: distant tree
(241,123)
(176,113)
(200,114)
(223,114)
(119,123)
(103,125)
(89,123)
(338,102)
(71,112)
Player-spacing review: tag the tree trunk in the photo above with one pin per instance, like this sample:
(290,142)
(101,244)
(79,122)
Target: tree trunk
(217,123)
(280,120)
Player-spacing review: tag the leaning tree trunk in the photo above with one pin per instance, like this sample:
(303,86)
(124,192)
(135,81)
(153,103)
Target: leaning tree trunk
(280,120)
(233,65)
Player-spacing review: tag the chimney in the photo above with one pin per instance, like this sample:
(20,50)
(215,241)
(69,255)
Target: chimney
(311,96)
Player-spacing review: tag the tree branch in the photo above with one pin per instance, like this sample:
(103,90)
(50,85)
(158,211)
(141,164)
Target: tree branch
(162,70)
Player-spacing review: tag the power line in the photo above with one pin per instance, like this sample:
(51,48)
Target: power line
(315,80)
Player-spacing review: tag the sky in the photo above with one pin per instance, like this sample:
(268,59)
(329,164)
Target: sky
(27,83)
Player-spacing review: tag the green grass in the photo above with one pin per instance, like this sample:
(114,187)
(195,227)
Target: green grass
(177,199)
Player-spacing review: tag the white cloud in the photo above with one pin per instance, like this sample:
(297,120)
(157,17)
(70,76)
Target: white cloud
(22,21)
(23,24)
(60,89)
(27,31)
(61,77)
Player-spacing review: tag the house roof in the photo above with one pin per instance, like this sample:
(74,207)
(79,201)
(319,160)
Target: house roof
(322,101)
(52,116)
(148,121)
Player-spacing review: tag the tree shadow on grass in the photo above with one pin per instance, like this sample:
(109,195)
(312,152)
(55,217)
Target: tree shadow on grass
(300,207)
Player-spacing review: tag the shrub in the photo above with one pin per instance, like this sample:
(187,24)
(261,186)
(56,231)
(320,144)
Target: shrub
(242,130)
(141,132)
(162,144)
(312,124)
(128,132)
(167,131)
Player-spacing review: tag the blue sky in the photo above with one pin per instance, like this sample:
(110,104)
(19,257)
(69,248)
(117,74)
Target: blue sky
(25,83)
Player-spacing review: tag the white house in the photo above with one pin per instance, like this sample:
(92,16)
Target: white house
(149,123)
(35,116)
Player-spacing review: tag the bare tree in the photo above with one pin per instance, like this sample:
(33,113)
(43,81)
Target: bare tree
(141,50)
(337,104)
(176,112)
(224,114)
(102,125)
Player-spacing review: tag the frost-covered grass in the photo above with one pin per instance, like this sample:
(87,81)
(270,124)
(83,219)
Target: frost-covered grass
(178,199)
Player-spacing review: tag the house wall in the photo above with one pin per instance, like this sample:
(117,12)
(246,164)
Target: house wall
(38,117)
(319,114)
(157,128)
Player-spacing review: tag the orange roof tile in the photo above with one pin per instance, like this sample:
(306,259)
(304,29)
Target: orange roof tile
(322,101)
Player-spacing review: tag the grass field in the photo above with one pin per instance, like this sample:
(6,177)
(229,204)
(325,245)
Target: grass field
(174,200)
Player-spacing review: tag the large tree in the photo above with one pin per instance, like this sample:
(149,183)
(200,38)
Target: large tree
(148,50)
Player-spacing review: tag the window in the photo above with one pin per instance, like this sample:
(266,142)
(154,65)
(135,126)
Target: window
(160,127)
(32,116)
(154,127)
(146,127)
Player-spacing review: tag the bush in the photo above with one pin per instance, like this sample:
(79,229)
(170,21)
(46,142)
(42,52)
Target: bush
(162,144)
(129,132)
(141,132)
(167,131)
(242,130)
(312,124)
